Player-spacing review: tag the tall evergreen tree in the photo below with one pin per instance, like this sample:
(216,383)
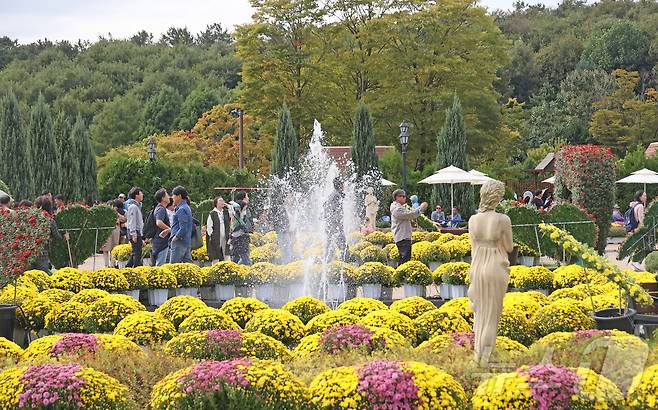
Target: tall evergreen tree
(15,158)
(71,187)
(62,131)
(46,163)
(87,158)
(286,147)
(161,111)
(451,146)
(364,157)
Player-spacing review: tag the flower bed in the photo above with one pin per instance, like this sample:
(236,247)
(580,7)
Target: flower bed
(78,344)
(230,384)
(242,310)
(65,317)
(104,314)
(207,318)
(387,384)
(392,320)
(306,308)
(61,386)
(412,307)
(361,307)
(330,319)
(145,328)
(434,322)
(279,324)
(440,344)
(226,344)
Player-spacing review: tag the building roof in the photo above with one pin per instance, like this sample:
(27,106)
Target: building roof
(546,163)
(342,154)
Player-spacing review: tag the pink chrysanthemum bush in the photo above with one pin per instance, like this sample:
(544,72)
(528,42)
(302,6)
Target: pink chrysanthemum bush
(226,344)
(545,387)
(385,384)
(237,383)
(78,344)
(61,386)
(348,338)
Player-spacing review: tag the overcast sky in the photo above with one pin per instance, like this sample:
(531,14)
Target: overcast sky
(30,20)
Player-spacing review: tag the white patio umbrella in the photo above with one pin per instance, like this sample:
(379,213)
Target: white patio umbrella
(482,177)
(386,182)
(550,180)
(643,176)
(451,175)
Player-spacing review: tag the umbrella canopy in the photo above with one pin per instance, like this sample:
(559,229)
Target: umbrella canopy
(386,182)
(482,177)
(451,175)
(550,180)
(643,176)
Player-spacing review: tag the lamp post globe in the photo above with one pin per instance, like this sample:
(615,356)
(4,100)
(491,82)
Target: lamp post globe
(404,142)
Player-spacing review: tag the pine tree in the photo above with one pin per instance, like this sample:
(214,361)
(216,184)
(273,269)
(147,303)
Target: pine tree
(451,146)
(364,157)
(45,154)
(71,175)
(286,148)
(161,111)
(61,131)
(15,158)
(87,158)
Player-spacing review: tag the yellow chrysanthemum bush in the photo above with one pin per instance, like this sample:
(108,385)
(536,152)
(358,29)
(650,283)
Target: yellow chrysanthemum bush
(61,386)
(453,273)
(9,351)
(361,307)
(306,308)
(279,324)
(159,278)
(372,253)
(535,277)
(104,314)
(122,252)
(39,278)
(442,343)
(226,344)
(378,238)
(412,307)
(260,273)
(457,249)
(414,273)
(434,252)
(644,390)
(89,296)
(459,306)
(136,277)
(614,354)
(525,302)
(374,273)
(145,328)
(241,310)
(387,384)
(329,319)
(59,295)
(547,386)
(180,308)
(71,279)
(392,320)
(514,323)
(67,345)
(19,294)
(269,252)
(32,314)
(188,275)
(560,316)
(207,318)
(226,273)
(435,322)
(230,384)
(569,276)
(109,279)
(66,317)
(338,269)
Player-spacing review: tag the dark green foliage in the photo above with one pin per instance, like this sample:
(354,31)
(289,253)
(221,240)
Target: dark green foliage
(651,262)
(451,146)
(161,111)
(70,162)
(61,130)
(622,45)
(85,154)
(203,209)
(634,160)
(286,147)
(229,398)
(15,158)
(525,235)
(117,123)
(364,157)
(198,102)
(46,163)
(585,232)
(84,242)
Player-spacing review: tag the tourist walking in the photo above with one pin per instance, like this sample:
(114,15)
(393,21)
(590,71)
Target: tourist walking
(135,226)
(218,227)
(181,228)
(634,216)
(401,218)
(333,216)
(160,241)
(240,239)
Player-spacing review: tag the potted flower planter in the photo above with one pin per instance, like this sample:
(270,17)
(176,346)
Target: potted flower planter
(244,291)
(526,260)
(335,292)
(434,266)
(224,292)
(611,319)
(387,293)
(265,292)
(371,290)
(187,292)
(413,290)
(458,291)
(158,296)
(297,290)
(281,293)
(7,321)
(122,264)
(444,291)
(132,293)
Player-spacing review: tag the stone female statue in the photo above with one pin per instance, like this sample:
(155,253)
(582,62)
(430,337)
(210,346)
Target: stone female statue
(491,241)
(372,206)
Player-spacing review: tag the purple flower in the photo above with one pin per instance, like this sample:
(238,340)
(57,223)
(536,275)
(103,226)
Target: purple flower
(210,375)
(46,384)
(551,386)
(387,387)
(586,334)
(75,343)
(348,337)
(224,344)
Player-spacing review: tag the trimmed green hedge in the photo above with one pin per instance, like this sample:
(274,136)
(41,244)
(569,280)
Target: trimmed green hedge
(524,215)
(584,232)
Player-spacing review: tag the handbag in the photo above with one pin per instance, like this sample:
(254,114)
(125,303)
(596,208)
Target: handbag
(197,235)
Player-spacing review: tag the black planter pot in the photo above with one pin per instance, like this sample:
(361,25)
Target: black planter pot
(610,319)
(7,321)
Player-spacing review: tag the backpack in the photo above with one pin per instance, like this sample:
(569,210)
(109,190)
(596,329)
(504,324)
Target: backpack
(149,226)
(630,221)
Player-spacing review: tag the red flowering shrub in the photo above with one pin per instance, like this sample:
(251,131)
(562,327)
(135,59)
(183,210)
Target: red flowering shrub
(585,176)
(23,235)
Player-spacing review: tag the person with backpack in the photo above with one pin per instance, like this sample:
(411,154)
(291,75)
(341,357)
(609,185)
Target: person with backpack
(240,239)
(135,225)
(634,215)
(182,228)
(158,228)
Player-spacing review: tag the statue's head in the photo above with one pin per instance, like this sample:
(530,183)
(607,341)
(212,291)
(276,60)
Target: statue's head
(491,194)
(369,190)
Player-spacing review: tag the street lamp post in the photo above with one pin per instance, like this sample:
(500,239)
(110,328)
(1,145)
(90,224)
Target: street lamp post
(404,141)
(151,150)
(239,113)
